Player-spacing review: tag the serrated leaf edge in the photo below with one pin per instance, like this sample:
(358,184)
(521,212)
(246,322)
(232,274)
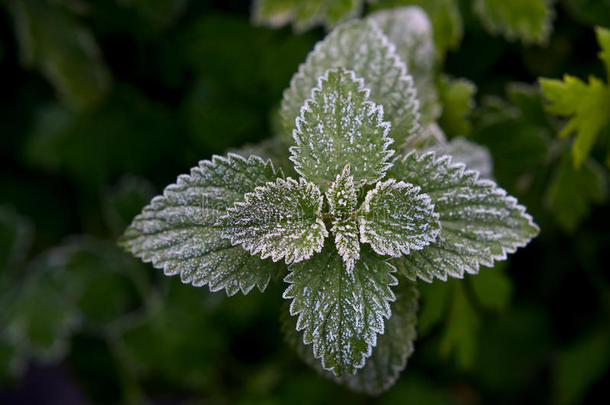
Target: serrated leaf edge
(378,108)
(255,248)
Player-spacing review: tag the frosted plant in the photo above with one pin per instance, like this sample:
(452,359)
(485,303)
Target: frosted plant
(369,203)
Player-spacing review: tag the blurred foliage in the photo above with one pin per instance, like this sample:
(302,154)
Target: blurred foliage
(104,101)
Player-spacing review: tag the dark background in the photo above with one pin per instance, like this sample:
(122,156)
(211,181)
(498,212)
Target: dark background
(175,82)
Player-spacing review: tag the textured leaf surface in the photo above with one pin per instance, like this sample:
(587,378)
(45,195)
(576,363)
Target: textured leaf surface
(479,222)
(390,355)
(176,232)
(341,313)
(410,30)
(304,14)
(393,347)
(444,15)
(475,157)
(359,46)
(280,220)
(529,20)
(340,125)
(397,218)
(342,199)
(586,105)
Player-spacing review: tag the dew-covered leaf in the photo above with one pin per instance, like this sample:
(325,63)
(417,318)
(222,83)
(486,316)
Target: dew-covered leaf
(340,125)
(359,46)
(177,231)
(529,20)
(342,199)
(586,106)
(479,222)
(390,355)
(304,14)
(281,220)
(396,218)
(410,30)
(340,312)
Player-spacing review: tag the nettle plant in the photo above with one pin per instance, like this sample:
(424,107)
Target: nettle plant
(372,197)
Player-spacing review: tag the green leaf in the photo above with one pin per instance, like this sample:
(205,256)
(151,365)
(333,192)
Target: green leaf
(281,220)
(393,348)
(572,191)
(342,199)
(474,156)
(603,38)
(304,14)
(580,366)
(43,315)
(15,240)
(359,46)
(479,222)
(390,355)
(63,49)
(340,312)
(457,98)
(411,31)
(397,218)
(340,125)
(529,20)
(11,361)
(493,288)
(460,335)
(587,106)
(445,16)
(176,232)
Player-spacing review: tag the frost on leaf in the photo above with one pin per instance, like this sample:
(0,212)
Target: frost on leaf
(393,347)
(340,312)
(279,220)
(390,355)
(410,30)
(340,125)
(176,232)
(359,46)
(479,222)
(304,14)
(474,156)
(397,218)
(342,199)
